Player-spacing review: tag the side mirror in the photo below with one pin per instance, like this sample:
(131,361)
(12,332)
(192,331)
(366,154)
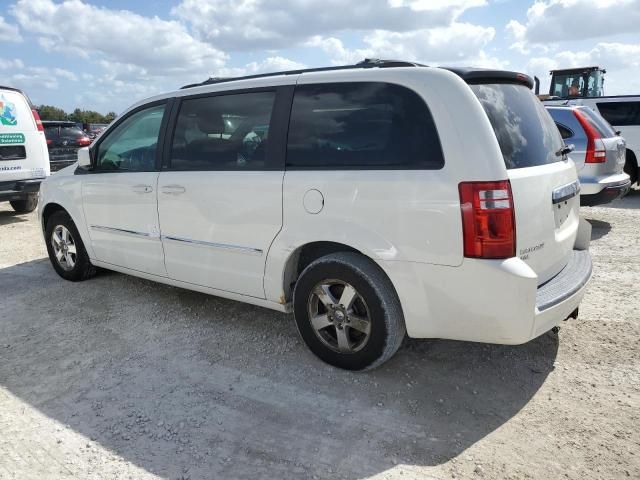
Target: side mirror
(84,158)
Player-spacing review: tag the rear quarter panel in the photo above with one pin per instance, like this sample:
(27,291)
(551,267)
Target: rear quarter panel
(393,215)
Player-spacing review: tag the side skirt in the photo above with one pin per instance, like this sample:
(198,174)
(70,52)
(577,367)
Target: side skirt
(260,302)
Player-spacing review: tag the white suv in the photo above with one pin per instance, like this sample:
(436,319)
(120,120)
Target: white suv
(370,200)
(24,160)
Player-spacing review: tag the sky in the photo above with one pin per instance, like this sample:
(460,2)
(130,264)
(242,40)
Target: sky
(107,54)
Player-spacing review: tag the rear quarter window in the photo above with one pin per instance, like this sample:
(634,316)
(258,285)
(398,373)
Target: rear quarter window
(525,131)
(564,131)
(361,125)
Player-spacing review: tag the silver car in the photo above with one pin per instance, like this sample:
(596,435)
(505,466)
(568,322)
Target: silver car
(599,153)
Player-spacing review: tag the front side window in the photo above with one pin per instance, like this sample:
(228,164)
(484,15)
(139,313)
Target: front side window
(363,125)
(223,132)
(132,145)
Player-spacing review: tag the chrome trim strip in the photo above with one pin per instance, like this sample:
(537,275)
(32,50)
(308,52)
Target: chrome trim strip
(122,231)
(565,192)
(224,246)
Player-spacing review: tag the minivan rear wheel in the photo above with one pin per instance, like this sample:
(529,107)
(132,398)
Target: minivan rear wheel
(347,311)
(25,205)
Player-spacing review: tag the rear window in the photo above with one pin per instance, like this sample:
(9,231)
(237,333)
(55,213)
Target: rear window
(363,125)
(526,133)
(601,125)
(71,132)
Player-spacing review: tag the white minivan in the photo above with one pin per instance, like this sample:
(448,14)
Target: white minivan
(24,159)
(372,200)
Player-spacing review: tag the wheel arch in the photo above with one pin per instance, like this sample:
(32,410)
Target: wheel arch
(49,209)
(75,212)
(631,166)
(304,255)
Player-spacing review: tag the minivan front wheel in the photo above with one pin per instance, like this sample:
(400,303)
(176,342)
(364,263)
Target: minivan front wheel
(66,251)
(347,311)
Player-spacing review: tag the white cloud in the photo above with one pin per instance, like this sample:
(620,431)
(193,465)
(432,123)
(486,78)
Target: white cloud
(11,64)
(270,64)
(266,24)
(117,36)
(574,20)
(66,74)
(8,32)
(458,42)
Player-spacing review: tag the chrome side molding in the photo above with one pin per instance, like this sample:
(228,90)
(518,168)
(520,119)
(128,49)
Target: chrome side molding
(223,246)
(565,192)
(122,231)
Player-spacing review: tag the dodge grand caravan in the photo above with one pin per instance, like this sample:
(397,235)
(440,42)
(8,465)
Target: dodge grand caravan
(373,200)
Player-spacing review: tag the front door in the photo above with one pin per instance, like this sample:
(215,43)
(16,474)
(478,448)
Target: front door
(120,194)
(220,199)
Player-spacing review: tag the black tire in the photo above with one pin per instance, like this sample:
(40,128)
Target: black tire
(82,268)
(375,295)
(631,168)
(26,205)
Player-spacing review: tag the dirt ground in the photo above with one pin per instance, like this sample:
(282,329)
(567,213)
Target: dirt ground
(121,378)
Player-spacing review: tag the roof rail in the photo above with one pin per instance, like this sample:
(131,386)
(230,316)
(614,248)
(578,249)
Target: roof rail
(366,63)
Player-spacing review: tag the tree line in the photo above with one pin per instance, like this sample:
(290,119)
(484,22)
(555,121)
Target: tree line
(49,112)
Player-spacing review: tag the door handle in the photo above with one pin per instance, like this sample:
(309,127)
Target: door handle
(142,188)
(173,189)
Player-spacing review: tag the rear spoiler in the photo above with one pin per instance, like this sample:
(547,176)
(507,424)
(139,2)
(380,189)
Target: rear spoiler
(479,75)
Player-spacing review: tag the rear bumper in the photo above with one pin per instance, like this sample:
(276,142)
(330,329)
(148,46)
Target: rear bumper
(17,190)
(491,301)
(599,190)
(560,296)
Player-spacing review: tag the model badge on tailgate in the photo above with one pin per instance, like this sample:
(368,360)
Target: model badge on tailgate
(524,252)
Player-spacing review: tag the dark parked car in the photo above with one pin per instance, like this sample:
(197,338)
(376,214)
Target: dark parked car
(63,140)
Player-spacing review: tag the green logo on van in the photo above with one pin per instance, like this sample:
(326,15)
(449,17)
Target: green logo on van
(11,138)
(7,112)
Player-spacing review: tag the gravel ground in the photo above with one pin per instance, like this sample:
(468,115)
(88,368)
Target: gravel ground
(119,377)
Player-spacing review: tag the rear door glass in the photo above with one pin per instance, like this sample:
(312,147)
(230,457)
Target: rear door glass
(361,125)
(526,133)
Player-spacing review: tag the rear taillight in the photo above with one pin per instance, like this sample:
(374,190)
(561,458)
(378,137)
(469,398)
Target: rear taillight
(36,117)
(84,141)
(596,152)
(49,142)
(488,220)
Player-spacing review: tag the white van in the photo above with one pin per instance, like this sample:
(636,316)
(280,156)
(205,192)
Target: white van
(24,159)
(371,200)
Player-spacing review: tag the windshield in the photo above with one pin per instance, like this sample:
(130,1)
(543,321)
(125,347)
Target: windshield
(577,84)
(526,133)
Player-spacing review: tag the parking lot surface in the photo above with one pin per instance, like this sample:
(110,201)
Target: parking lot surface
(119,377)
